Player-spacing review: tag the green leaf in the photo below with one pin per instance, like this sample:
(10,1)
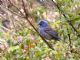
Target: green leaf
(1,33)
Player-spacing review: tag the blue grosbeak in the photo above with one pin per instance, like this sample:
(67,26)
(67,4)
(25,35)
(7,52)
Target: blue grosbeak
(46,31)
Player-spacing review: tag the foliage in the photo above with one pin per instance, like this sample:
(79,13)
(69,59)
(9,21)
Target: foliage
(21,41)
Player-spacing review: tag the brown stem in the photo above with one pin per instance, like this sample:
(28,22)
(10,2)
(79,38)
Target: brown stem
(26,16)
(16,7)
(69,39)
(66,18)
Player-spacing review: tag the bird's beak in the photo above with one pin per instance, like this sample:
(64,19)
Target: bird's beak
(38,23)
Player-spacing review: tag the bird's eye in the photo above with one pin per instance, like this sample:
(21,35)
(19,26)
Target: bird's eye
(40,24)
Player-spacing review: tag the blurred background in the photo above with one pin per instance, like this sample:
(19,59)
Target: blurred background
(19,39)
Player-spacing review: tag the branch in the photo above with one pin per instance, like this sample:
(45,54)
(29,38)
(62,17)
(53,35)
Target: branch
(16,7)
(66,18)
(26,17)
(69,40)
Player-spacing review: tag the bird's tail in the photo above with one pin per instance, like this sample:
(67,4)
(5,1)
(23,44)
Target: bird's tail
(57,38)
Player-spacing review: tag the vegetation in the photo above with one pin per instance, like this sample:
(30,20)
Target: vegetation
(19,30)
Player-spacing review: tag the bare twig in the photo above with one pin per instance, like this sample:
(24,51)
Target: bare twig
(66,18)
(4,29)
(69,39)
(16,7)
(8,10)
(26,16)
(16,13)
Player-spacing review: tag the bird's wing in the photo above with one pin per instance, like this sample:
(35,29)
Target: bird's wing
(51,32)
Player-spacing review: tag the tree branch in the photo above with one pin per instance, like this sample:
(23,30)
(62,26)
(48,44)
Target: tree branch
(16,7)
(26,17)
(69,39)
(66,18)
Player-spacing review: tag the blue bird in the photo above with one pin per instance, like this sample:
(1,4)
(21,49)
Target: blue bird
(46,31)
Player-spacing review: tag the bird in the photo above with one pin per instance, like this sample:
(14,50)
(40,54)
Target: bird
(47,32)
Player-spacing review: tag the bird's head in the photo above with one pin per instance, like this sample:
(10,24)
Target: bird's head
(43,23)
